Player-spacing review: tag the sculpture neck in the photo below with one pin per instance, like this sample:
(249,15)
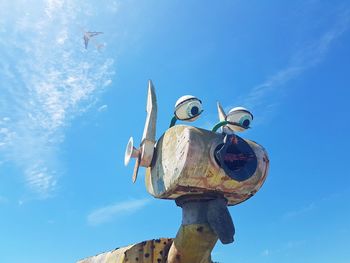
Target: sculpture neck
(205,219)
(193,243)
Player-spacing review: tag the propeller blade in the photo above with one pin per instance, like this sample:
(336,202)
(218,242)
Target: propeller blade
(136,169)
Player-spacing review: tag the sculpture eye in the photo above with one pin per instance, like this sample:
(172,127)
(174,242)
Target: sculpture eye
(194,108)
(188,108)
(240,116)
(245,121)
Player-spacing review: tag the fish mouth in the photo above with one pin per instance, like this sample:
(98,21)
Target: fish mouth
(236,158)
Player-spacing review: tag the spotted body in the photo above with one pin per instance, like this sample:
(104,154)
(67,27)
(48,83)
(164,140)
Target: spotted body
(150,251)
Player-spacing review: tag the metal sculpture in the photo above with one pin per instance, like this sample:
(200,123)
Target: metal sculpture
(203,171)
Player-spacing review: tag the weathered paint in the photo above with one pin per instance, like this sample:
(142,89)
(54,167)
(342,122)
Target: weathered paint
(151,251)
(182,167)
(144,154)
(193,244)
(184,164)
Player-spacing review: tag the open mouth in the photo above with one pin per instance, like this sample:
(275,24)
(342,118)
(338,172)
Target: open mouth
(236,157)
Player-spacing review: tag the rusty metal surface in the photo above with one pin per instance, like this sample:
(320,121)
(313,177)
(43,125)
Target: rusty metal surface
(151,251)
(213,212)
(193,244)
(184,164)
(203,171)
(115,256)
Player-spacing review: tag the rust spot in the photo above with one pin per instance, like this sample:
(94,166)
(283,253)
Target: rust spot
(164,243)
(147,255)
(137,259)
(200,229)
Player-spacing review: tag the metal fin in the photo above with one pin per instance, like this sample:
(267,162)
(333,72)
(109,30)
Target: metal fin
(221,112)
(149,131)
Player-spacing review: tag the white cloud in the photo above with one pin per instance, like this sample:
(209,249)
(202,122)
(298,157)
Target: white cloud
(103,108)
(261,97)
(46,79)
(62,37)
(110,212)
(52,6)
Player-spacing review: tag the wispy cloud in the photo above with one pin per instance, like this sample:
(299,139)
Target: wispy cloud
(287,247)
(46,79)
(301,211)
(103,108)
(110,212)
(263,96)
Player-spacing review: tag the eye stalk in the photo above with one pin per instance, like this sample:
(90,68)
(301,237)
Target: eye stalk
(187,108)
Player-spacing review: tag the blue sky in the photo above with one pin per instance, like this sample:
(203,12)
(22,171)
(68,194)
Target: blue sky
(66,114)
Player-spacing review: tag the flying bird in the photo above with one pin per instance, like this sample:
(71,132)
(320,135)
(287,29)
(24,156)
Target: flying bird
(88,35)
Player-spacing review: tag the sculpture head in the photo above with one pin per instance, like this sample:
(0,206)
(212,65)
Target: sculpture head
(190,161)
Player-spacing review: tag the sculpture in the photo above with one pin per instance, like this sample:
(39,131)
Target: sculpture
(203,171)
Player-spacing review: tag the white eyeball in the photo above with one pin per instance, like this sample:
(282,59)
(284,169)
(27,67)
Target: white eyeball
(240,119)
(188,108)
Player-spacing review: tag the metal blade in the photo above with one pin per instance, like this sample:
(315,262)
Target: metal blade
(149,131)
(221,112)
(136,169)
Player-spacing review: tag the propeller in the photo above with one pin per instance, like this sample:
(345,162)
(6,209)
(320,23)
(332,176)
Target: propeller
(144,154)
(132,152)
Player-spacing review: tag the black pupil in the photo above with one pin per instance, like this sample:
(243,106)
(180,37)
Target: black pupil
(194,110)
(246,123)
